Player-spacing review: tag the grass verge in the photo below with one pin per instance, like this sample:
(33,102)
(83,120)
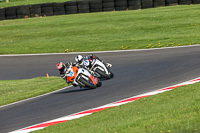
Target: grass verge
(26,2)
(16,90)
(176,111)
(133,29)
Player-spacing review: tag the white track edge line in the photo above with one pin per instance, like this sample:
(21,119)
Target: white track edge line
(113,51)
(35,97)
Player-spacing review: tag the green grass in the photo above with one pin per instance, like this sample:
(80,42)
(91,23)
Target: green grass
(135,29)
(16,90)
(27,2)
(176,111)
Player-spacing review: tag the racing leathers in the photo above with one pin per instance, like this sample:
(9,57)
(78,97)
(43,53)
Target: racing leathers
(88,60)
(67,79)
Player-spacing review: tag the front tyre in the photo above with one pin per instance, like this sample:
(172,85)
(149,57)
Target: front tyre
(99,84)
(86,83)
(104,75)
(111,75)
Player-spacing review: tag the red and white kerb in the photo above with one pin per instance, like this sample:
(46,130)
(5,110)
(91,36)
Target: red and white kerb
(90,111)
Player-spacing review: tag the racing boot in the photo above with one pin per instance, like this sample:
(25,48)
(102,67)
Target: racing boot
(108,65)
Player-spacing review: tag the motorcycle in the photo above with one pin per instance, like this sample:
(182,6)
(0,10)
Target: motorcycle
(82,77)
(99,69)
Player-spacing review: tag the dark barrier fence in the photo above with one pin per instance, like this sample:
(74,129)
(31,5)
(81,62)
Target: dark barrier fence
(96,6)
(171,2)
(121,5)
(71,7)
(158,3)
(11,13)
(147,4)
(2,14)
(59,8)
(108,5)
(85,6)
(185,2)
(36,10)
(23,11)
(47,9)
(196,1)
(134,4)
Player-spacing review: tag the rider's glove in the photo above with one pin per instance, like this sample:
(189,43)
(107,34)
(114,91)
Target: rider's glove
(62,75)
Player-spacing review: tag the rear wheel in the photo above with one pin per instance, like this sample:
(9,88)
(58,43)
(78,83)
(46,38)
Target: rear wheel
(103,74)
(88,84)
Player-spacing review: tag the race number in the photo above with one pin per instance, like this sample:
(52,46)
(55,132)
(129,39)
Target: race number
(71,74)
(86,63)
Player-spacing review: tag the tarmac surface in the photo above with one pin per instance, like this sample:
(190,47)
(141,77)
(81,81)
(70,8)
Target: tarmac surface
(135,72)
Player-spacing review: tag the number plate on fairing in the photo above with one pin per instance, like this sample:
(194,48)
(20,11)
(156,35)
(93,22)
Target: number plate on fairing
(71,74)
(86,63)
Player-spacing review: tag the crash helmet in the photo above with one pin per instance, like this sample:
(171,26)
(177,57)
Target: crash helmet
(61,66)
(79,59)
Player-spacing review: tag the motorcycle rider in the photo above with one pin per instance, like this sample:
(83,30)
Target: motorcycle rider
(65,69)
(80,61)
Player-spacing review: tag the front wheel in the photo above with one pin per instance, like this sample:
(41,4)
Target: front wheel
(87,83)
(111,75)
(104,75)
(99,84)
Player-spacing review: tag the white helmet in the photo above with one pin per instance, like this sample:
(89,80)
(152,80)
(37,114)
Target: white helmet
(78,59)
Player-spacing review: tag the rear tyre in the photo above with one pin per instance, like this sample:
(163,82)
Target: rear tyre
(88,84)
(103,74)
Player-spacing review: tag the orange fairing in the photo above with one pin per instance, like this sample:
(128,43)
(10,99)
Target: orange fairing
(73,74)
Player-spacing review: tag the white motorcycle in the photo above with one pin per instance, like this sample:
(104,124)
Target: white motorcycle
(81,77)
(99,69)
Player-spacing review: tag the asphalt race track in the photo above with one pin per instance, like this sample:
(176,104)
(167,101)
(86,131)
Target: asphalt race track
(135,72)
